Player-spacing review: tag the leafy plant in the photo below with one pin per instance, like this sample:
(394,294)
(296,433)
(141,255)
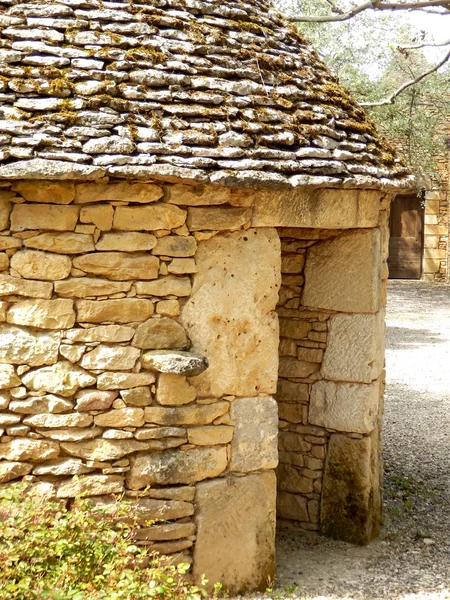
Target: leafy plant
(49,551)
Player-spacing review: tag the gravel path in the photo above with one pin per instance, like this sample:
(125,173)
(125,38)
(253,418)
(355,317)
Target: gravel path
(411,559)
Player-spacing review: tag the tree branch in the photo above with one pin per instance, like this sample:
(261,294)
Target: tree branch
(371,5)
(391,99)
(424,45)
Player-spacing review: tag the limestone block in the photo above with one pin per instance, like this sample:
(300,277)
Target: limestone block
(102,333)
(21,287)
(291,479)
(310,355)
(127,241)
(351,498)
(123,417)
(182,266)
(61,467)
(210,435)
(4,261)
(44,216)
(94,400)
(292,506)
(8,377)
(54,192)
(186,415)
(5,210)
(3,309)
(351,407)
(177,363)
(102,449)
(24,449)
(162,333)
(254,445)
(175,466)
(344,273)
(293,413)
(291,367)
(317,209)
(431,265)
(101,216)
(125,310)
(7,243)
(235,520)
(90,485)
(118,265)
(198,195)
(148,218)
(33,264)
(40,404)
(58,421)
(292,263)
(71,435)
(168,531)
(110,358)
(289,391)
(138,396)
(440,229)
(12,470)
(174,390)
(7,419)
(169,308)
(431,241)
(63,378)
(176,245)
(62,243)
(122,381)
(83,287)
(440,253)
(432,207)
(234,295)
(431,219)
(355,348)
(123,191)
(73,353)
(25,347)
(150,509)
(217,218)
(158,433)
(166,286)
(44,314)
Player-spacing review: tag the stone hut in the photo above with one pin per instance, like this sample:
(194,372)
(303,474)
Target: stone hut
(193,220)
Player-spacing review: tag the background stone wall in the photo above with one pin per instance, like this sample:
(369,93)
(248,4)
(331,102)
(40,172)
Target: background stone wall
(436,230)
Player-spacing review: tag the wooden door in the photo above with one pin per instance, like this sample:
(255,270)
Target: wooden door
(406,241)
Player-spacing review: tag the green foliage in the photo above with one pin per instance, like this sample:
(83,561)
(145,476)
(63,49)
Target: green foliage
(50,552)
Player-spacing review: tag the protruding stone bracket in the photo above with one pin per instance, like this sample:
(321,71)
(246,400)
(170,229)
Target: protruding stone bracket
(176,362)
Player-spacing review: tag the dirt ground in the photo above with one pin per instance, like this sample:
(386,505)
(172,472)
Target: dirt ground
(411,559)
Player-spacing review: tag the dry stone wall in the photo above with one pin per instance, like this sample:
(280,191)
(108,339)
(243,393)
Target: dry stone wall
(436,248)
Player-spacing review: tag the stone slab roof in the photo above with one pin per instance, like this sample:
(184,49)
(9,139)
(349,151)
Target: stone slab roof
(224,91)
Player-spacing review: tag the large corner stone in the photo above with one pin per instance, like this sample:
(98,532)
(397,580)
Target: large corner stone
(230,317)
(350,407)
(344,273)
(355,348)
(351,496)
(235,520)
(255,440)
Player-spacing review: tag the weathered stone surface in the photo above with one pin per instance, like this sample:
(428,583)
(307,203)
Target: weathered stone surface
(123,381)
(22,287)
(162,333)
(127,242)
(175,245)
(110,358)
(217,218)
(5,210)
(188,195)
(118,265)
(170,308)
(54,192)
(355,348)
(294,329)
(40,404)
(182,266)
(4,261)
(63,243)
(289,391)
(62,378)
(351,407)
(8,377)
(44,216)
(210,435)
(186,415)
(7,419)
(235,520)
(150,509)
(94,400)
(123,417)
(72,352)
(71,435)
(174,390)
(177,363)
(90,485)
(292,506)
(234,295)
(59,421)
(44,314)
(139,396)
(125,310)
(32,264)
(351,497)
(291,479)
(185,493)
(84,287)
(291,367)
(128,192)
(24,449)
(12,470)
(101,216)
(24,347)
(175,466)
(344,273)
(166,286)
(148,218)
(321,208)
(254,445)
(7,242)
(102,333)
(103,450)
(168,531)
(62,466)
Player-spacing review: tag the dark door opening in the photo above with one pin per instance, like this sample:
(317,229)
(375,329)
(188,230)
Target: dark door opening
(406,241)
